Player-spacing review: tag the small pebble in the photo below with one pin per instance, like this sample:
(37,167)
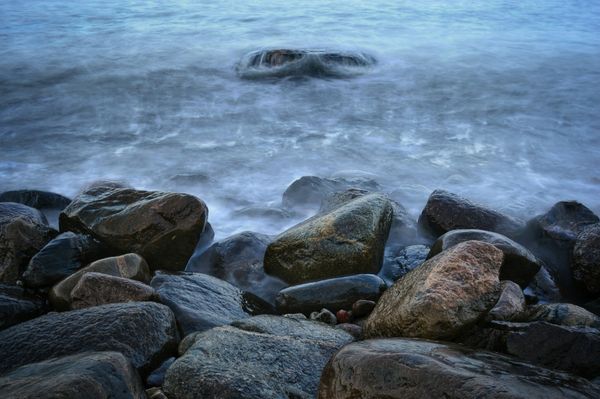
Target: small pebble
(362,308)
(324,316)
(343,316)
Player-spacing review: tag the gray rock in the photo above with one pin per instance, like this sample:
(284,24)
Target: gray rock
(90,375)
(324,316)
(17,305)
(404,261)
(565,314)
(586,259)
(511,303)
(94,289)
(145,332)
(352,329)
(543,287)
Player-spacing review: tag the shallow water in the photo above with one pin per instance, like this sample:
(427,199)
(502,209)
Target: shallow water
(496,101)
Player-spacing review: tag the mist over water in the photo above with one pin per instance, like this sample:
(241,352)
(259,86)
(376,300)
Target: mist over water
(498,101)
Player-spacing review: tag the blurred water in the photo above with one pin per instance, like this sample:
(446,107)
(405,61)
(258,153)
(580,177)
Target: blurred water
(498,101)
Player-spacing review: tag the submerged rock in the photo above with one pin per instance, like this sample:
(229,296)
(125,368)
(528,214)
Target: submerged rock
(586,259)
(94,289)
(17,306)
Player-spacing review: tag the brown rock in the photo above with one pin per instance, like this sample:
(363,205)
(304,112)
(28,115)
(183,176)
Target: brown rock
(94,289)
(586,259)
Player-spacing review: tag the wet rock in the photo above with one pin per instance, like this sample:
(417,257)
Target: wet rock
(362,308)
(405,368)
(564,221)
(144,332)
(511,303)
(94,289)
(324,316)
(443,296)
(164,228)
(200,301)
(17,306)
(445,211)
(343,316)
(263,212)
(157,377)
(404,261)
(543,287)
(239,260)
(586,259)
(91,375)
(564,314)
(36,199)
(23,232)
(227,362)
(352,329)
(130,266)
(519,265)
(347,240)
(333,294)
(61,257)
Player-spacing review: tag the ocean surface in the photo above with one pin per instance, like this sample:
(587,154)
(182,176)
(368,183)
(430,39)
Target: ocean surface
(496,100)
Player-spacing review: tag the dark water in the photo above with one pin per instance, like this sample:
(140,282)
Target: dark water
(497,101)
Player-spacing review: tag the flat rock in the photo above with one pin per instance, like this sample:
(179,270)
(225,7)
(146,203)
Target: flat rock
(442,297)
(94,289)
(347,240)
(163,228)
(91,375)
(145,332)
(586,259)
(17,305)
(333,294)
(405,368)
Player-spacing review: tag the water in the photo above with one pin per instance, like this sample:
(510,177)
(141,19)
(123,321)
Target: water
(497,101)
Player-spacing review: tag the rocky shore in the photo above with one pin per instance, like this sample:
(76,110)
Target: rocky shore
(128,296)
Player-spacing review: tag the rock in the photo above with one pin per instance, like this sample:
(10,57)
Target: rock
(519,265)
(347,240)
(227,362)
(94,289)
(239,260)
(200,301)
(333,294)
(362,308)
(343,316)
(352,329)
(91,375)
(61,257)
(324,316)
(406,368)
(155,393)
(511,303)
(564,221)
(17,306)
(23,232)
(297,316)
(36,199)
(130,266)
(443,296)
(586,259)
(144,332)
(445,211)
(564,314)
(543,287)
(157,377)
(407,259)
(163,228)
(572,349)
(262,212)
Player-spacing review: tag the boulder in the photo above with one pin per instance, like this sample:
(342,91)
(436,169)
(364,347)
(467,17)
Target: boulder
(519,265)
(396,266)
(565,314)
(200,301)
(130,266)
(90,375)
(94,289)
(347,240)
(511,303)
(586,259)
(406,368)
(446,211)
(442,297)
(23,232)
(333,294)
(36,199)
(239,260)
(17,305)
(61,257)
(145,332)
(164,228)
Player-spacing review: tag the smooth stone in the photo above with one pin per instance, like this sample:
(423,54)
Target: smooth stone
(36,199)
(201,302)
(406,369)
(519,265)
(90,375)
(446,211)
(586,259)
(157,377)
(94,289)
(61,257)
(565,314)
(511,303)
(145,332)
(164,228)
(324,316)
(23,232)
(17,305)
(403,262)
(362,308)
(445,295)
(333,294)
(347,240)
(130,266)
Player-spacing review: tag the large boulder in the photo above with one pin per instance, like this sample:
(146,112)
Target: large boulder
(239,260)
(442,297)
(144,332)
(407,369)
(17,305)
(347,240)
(23,232)
(94,289)
(586,259)
(130,266)
(446,211)
(397,265)
(61,257)
(164,228)
(519,265)
(90,375)
(200,301)
(332,294)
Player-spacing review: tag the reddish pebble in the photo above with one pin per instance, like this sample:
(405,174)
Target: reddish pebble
(343,316)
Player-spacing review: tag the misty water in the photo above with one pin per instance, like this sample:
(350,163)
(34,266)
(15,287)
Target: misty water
(497,101)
